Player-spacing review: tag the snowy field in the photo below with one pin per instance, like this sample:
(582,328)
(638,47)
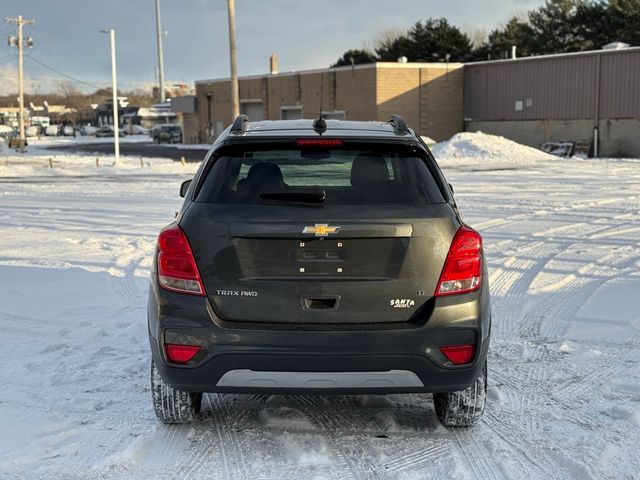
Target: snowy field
(563,244)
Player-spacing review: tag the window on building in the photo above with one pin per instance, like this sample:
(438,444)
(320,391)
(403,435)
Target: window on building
(291,113)
(334,115)
(253,109)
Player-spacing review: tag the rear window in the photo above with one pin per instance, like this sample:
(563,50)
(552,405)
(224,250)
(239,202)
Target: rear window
(334,176)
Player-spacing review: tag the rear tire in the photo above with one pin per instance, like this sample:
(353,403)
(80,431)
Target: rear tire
(172,405)
(465,407)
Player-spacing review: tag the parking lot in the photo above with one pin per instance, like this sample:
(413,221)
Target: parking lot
(138,149)
(561,239)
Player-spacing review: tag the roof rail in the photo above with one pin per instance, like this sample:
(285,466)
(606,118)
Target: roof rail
(399,125)
(240,124)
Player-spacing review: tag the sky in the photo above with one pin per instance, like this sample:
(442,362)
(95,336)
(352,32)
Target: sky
(303,33)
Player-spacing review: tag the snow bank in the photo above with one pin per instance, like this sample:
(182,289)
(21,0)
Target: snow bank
(59,141)
(481,149)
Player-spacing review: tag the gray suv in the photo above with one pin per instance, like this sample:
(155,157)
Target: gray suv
(167,134)
(319,257)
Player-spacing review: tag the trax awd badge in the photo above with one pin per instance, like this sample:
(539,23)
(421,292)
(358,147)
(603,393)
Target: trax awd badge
(321,229)
(236,293)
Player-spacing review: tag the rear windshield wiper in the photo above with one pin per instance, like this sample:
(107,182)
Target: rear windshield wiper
(307,195)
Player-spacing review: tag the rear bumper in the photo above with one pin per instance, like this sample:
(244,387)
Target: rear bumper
(269,360)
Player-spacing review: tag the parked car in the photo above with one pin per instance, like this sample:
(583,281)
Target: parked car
(168,134)
(32,131)
(155,128)
(52,130)
(324,257)
(87,130)
(69,131)
(7,134)
(137,130)
(108,131)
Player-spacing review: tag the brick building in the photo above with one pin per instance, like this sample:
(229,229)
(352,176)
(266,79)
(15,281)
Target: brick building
(428,95)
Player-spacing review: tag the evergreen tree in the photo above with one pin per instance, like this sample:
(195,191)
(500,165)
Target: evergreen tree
(595,25)
(430,41)
(436,38)
(515,32)
(625,15)
(392,49)
(558,26)
(555,28)
(358,57)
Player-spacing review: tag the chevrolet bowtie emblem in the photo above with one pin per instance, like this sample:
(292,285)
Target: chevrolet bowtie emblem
(321,230)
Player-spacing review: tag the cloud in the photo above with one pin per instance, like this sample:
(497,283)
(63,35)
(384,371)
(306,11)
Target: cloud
(9,76)
(304,34)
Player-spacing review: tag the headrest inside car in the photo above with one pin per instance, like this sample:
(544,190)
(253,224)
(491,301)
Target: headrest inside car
(265,174)
(369,168)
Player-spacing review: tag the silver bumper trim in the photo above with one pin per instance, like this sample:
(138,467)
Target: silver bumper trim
(320,380)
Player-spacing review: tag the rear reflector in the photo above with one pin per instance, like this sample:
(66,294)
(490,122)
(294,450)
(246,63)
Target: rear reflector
(177,270)
(459,354)
(181,353)
(463,267)
(319,142)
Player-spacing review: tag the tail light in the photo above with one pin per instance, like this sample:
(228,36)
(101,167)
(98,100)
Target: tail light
(180,353)
(463,267)
(459,354)
(177,270)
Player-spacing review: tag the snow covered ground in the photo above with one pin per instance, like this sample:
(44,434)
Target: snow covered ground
(88,139)
(563,245)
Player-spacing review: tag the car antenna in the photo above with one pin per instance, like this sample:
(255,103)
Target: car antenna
(320,124)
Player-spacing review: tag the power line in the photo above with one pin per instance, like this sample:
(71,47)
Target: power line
(75,79)
(70,77)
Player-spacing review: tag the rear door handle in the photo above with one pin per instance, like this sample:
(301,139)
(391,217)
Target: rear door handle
(320,303)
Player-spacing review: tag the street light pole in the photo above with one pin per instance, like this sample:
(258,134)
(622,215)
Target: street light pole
(235,94)
(160,54)
(114,88)
(20,22)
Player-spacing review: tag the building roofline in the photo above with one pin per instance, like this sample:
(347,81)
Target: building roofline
(553,55)
(452,65)
(364,66)
(288,74)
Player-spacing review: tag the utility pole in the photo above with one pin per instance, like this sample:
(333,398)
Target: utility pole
(114,88)
(159,34)
(235,94)
(20,44)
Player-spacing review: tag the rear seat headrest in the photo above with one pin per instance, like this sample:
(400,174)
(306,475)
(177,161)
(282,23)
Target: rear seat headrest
(369,168)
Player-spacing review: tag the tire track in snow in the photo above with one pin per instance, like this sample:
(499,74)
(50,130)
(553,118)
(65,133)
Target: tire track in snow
(528,447)
(477,459)
(234,456)
(418,457)
(203,450)
(591,380)
(509,305)
(329,415)
(208,448)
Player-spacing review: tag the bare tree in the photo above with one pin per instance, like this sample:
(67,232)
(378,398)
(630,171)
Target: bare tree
(67,89)
(477,35)
(384,38)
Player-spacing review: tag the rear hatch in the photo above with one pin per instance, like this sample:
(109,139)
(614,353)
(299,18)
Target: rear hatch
(342,235)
